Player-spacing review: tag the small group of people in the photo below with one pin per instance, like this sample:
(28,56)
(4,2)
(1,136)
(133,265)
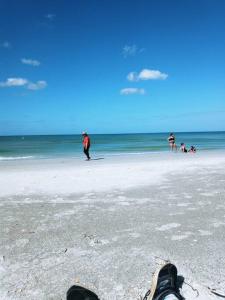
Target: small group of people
(184,149)
(173,146)
(171,140)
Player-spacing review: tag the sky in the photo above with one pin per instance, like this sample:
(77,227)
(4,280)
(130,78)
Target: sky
(107,66)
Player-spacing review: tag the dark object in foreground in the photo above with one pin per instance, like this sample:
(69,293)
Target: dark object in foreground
(80,293)
(164,283)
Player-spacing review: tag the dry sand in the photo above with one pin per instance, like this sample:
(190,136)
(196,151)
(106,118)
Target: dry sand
(105,224)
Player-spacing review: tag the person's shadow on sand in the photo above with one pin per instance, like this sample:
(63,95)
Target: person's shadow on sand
(99,158)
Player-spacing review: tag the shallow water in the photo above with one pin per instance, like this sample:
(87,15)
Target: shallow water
(46,146)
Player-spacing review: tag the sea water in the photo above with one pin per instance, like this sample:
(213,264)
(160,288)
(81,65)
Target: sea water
(50,146)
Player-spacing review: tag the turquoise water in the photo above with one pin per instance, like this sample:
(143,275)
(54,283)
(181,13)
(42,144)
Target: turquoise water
(25,147)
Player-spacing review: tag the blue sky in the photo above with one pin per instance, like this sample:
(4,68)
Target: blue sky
(111,66)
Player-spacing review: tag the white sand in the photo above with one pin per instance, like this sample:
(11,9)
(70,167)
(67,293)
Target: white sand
(75,176)
(103,223)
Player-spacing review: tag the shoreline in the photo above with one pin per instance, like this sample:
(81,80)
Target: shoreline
(105,154)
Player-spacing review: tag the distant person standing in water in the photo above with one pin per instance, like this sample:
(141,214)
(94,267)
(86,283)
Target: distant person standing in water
(171,140)
(86,144)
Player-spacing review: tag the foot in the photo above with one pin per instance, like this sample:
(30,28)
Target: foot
(80,293)
(164,284)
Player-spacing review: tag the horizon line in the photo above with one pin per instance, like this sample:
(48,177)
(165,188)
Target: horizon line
(122,133)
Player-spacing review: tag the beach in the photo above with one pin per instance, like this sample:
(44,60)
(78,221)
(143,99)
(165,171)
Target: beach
(106,223)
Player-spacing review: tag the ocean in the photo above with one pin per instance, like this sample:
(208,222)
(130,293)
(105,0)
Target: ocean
(50,146)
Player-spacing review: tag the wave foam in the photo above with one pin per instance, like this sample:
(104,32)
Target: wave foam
(15,157)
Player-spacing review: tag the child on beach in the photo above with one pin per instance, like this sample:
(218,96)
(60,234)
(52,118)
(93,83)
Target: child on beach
(192,149)
(183,148)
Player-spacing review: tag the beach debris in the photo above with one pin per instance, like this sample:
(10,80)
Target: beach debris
(92,238)
(213,291)
(89,236)
(159,260)
(61,251)
(18,290)
(194,289)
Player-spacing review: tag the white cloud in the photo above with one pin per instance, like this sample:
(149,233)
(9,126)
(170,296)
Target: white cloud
(151,74)
(132,76)
(5,44)
(131,50)
(50,17)
(31,62)
(146,74)
(17,82)
(39,85)
(130,91)
(10,82)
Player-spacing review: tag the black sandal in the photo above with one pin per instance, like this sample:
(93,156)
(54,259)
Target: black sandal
(77,292)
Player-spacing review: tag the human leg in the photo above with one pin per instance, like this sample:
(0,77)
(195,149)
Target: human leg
(86,152)
(164,284)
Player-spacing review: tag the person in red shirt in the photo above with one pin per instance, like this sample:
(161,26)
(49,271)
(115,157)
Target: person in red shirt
(86,144)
